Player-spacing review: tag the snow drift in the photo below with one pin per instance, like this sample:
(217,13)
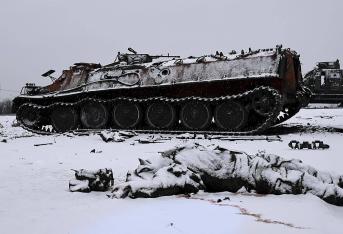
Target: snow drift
(190,168)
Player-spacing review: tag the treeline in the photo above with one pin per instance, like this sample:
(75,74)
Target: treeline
(5,106)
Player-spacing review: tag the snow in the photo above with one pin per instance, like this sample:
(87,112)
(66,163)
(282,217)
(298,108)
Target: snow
(193,167)
(34,196)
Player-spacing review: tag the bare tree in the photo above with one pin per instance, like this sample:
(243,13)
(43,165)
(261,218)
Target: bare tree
(6,106)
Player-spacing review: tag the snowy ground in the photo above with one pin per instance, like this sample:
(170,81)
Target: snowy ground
(34,196)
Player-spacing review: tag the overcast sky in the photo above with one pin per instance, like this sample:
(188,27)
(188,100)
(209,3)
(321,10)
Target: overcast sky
(39,35)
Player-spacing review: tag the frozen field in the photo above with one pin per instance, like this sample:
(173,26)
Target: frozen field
(34,196)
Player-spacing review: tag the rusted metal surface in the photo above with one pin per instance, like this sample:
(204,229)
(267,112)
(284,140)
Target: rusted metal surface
(289,82)
(75,76)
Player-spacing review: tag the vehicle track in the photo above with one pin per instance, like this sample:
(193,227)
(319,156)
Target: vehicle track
(270,120)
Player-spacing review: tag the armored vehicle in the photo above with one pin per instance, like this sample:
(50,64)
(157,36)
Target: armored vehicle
(234,93)
(326,82)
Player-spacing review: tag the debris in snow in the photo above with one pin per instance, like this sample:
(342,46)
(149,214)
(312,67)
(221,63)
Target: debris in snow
(243,190)
(15,123)
(302,128)
(324,116)
(191,168)
(3,140)
(86,180)
(200,136)
(75,133)
(306,145)
(127,134)
(108,136)
(246,138)
(79,186)
(96,151)
(148,141)
(153,139)
(120,136)
(186,136)
(50,143)
(319,145)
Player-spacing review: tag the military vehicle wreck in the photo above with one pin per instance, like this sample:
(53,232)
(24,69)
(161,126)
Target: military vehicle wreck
(233,93)
(326,82)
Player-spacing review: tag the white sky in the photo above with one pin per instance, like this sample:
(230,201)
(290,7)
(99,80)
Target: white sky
(39,35)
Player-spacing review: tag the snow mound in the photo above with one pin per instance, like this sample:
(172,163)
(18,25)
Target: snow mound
(194,167)
(86,180)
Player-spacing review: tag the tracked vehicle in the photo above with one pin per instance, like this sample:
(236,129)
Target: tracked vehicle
(234,93)
(326,82)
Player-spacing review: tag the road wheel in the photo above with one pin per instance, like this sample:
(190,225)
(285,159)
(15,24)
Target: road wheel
(94,115)
(230,116)
(28,116)
(64,118)
(196,115)
(263,103)
(160,115)
(127,114)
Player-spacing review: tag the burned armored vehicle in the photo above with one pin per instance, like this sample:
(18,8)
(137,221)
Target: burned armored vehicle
(326,82)
(238,93)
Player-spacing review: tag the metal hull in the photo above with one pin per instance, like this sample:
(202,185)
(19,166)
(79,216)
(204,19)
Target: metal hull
(239,94)
(199,89)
